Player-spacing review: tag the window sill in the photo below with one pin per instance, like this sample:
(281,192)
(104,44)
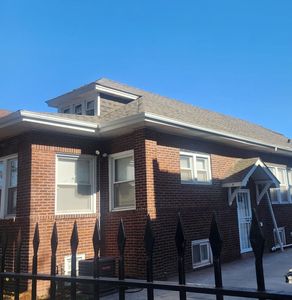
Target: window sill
(8,218)
(75,215)
(198,266)
(196,183)
(119,209)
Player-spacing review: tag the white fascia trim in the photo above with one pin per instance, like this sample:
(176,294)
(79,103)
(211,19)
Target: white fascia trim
(265,169)
(251,171)
(168,121)
(115,92)
(32,117)
(73,94)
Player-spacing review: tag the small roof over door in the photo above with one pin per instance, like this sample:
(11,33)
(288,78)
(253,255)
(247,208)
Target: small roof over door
(243,170)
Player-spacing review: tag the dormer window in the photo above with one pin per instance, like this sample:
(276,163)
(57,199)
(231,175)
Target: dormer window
(90,108)
(67,110)
(78,109)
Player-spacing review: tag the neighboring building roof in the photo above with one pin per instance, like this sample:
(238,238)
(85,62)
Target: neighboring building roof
(4,113)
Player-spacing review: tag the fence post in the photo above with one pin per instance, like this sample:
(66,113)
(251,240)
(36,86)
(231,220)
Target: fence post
(216,246)
(96,240)
(17,264)
(54,246)
(74,245)
(36,242)
(4,243)
(121,246)
(149,240)
(257,241)
(180,245)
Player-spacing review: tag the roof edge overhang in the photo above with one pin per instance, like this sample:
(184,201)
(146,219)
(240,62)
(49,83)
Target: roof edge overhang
(270,176)
(131,122)
(93,87)
(157,119)
(33,120)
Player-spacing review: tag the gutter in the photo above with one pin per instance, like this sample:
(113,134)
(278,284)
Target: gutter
(142,118)
(153,118)
(54,121)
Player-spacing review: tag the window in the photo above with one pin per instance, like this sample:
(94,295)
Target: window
(122,181)
(90,111)
(8,186)
(67,110)
(282,236)
(75,184)
(78,109)
(283,193)
(201,253)
(195,168)
(68,261)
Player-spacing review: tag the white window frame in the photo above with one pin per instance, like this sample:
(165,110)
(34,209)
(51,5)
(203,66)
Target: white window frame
(281,230)
(194,156)
(206,262)
(94,107)
(67,263)
(92,176)
(288,184)
(65,108)
(4,191)
(82,108)
(112,158)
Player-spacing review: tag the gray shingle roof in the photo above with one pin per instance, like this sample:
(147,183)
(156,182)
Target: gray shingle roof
(177,110)
(239,170)
(4,113)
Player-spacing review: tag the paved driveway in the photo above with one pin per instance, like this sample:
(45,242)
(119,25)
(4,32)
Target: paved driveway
(240,273)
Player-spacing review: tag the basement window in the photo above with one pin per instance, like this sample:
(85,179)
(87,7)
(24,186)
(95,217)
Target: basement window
(8,186)
(195,168)
(68,262)
(122,181)
(201,253)
(75,184)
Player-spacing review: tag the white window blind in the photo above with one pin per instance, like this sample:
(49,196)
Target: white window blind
(195,168)
(8,186)
(122,176)
(75,184)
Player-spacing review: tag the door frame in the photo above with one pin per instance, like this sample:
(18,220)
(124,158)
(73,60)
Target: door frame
(247,192)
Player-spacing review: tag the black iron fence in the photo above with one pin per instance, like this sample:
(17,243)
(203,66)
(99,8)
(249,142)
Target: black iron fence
(122,283)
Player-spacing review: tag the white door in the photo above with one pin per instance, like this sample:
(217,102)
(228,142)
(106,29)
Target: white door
(244,219)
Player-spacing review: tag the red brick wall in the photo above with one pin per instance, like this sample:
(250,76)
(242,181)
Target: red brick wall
(134,220)
(36,199)
(158,192)
(196,203)
(42,204)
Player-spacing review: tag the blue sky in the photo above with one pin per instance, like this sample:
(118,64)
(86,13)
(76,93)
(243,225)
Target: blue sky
(233,57)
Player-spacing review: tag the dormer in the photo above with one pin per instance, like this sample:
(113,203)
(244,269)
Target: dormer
(92,100)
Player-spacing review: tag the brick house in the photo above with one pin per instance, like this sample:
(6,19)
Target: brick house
(115,151)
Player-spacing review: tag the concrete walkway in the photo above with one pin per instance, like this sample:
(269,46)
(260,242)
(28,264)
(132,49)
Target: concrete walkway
(240,273)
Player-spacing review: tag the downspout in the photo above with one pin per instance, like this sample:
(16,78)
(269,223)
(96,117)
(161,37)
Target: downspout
(274,222)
